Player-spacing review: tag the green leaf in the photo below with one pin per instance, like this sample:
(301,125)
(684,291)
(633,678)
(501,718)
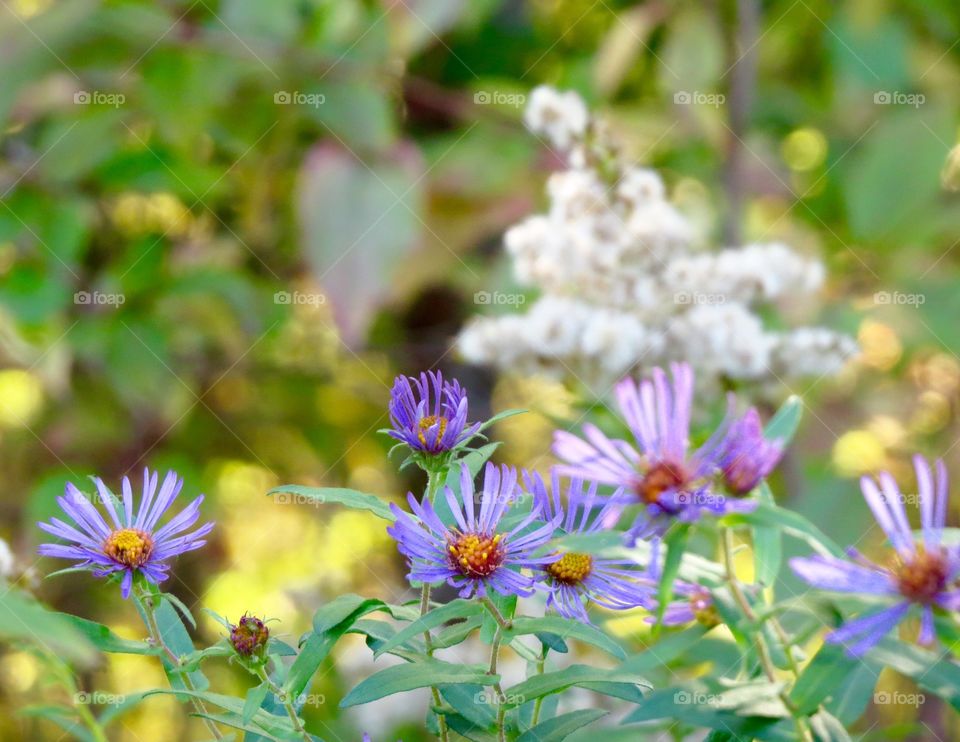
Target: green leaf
(500,416)
(105,640)
(293,493)
(565,628)
(558,680)
(24,619)
(255,698)
(783,425)
(829,669)
(789,522)
(927,669)
(260,722)
(676,543)
(828,728)
(413,675)
(453,635)
(180,606)
(437,617)
(329,624)
(465,699)
(560,727)
(342,609)
(191,662)
(767,545)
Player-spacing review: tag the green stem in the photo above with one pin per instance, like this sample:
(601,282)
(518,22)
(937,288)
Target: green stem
(284,699)
(63,672)
(428,643)
(502,622)
(539,702)
(497,688)
(763,651)
(147,607)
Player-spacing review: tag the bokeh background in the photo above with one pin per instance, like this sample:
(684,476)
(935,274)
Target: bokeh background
(226,225)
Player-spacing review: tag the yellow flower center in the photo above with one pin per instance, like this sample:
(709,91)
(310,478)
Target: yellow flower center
(428,422)
(660,478)
(571,568)
(475,555)
(923,577)
(129,546)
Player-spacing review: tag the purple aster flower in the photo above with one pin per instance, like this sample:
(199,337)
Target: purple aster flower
(430,414)
(126,543)
(922,574)
(745,457)
(665,476)
(474,554)
(694,602)
(575,578)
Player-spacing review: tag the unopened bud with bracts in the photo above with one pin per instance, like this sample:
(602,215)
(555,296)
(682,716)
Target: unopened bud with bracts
(249,637)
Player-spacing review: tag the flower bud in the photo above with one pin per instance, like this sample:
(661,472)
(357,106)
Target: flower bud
(249,637)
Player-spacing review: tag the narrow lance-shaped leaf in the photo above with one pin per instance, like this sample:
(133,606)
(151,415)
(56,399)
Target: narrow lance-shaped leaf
(436,617)
(295,493)
(414,675)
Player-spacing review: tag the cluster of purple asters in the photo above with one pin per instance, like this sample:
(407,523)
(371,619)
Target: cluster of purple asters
(921,574)
(125,543)
(476,553)
(429,415)
(661,473)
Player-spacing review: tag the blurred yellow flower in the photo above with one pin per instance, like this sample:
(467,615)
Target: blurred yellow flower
(858,452)
(21,398)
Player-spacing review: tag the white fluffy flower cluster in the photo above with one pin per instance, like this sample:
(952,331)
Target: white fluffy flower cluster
(624,285)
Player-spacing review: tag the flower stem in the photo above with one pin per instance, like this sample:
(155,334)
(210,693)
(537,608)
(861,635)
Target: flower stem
(763,652)
(539,702)
(497,688)
(284,699)
(428,643)
(502,622)
(65,676)
(147,606)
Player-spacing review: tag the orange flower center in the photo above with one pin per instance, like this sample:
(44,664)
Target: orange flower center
(701,603)
(571,568)
(428,422)
(474,554)
(923,577)
(661,477)
(129,546)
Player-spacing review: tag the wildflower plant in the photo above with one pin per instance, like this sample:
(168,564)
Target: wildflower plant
(618,573)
